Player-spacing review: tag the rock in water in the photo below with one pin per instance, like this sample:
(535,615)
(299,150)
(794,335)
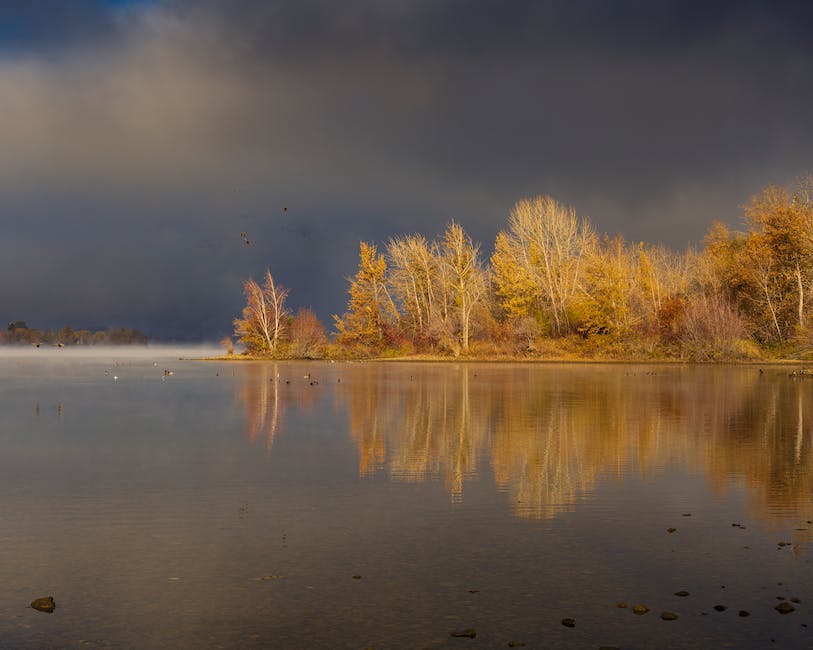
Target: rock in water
(46,604)
(669,616)
(785,608)
(467,633)
(640,609)
(569,622)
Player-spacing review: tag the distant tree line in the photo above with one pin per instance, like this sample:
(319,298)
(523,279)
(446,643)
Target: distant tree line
(18,332)
(554,288)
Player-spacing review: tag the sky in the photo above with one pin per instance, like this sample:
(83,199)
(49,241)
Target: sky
(140,138)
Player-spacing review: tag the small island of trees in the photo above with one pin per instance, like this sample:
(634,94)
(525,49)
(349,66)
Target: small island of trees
(554,288)
(18,332)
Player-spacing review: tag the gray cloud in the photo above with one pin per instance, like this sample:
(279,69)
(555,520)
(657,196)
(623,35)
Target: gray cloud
(140,141)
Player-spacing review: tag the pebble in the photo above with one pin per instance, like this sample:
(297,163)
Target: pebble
(720,608)
(683,593)
(785,608)
(640,609)
(671,530)
(795,599)
(669,616)
(622,605)
(743,613)
(516,644)
(467,633)
(357,577)
(46,604)
(569,622)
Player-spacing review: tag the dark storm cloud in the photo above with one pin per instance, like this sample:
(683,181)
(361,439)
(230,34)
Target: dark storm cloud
(139,139)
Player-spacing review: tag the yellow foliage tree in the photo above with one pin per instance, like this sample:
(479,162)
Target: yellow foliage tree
(370,309)
(514,285)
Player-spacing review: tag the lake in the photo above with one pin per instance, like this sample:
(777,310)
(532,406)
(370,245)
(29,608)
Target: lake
(388,505)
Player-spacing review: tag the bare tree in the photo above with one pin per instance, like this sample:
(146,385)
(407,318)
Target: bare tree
(308,335)
(275,296)
(549,242)
(263,322)
(414,277)
(464,275)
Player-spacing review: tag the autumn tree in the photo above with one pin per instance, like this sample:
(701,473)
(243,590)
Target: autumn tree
(464,277)
(413,276)
(264,317)
(370,308)
(784,223)
(307,335)
(768,269)
(609,303)
(542,257)
(516,290)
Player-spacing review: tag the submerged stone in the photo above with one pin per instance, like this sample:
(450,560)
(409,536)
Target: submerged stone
(785,608)
(466,633)
(622,605)
(682,593)
(640,609)
(743,613)
(569,622)
(516,644)
(671,530)
(669,616)
(720,608)
(46,604)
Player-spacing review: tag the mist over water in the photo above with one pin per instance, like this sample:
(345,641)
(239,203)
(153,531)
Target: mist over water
(348,505)
(147,352)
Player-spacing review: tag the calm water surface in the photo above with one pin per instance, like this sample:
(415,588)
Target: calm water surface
(385,505)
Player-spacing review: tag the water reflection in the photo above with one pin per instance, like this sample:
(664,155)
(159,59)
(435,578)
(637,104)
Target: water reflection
(549,434)
(260,396)
(266,394)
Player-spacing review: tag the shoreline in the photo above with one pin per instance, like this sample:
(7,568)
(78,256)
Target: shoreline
(550,360)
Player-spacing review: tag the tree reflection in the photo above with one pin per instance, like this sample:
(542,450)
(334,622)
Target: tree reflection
(549,434)
(266,391)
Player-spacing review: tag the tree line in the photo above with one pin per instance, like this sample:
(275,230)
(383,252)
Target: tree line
(554,287)
(18,332)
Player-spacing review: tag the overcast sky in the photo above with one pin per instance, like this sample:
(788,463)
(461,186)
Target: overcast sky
(139,139)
